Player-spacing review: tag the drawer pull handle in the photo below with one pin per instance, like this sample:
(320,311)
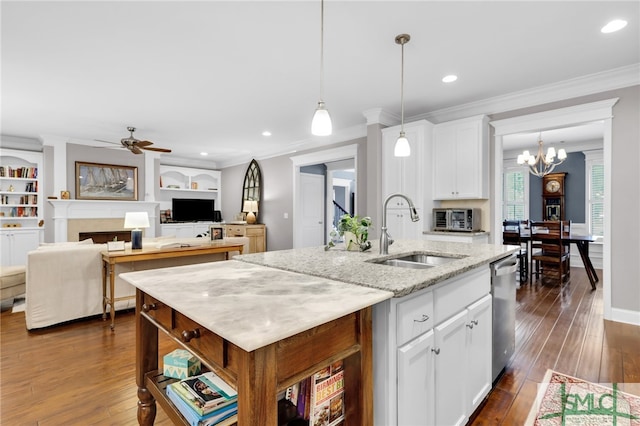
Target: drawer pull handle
(472,323)
(423,319)
(435,351)
(187,335)
(149,307)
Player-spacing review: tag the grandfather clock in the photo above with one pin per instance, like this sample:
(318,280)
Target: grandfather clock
(553,196)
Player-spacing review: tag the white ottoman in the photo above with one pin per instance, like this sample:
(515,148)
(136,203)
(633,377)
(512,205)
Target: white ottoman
(12,284)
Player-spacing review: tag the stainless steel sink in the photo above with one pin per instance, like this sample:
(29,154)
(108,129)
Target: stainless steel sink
(416,261)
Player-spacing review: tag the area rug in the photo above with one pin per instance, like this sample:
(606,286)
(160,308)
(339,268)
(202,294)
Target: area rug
(565,400)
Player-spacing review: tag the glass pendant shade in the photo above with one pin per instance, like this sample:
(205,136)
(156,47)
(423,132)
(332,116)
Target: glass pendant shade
(321,123)
(402,148)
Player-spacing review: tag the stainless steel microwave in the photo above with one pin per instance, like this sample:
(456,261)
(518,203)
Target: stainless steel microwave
(462,220)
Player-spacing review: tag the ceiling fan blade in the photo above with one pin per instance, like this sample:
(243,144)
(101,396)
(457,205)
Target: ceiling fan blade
(150,148)
(135,150)
(142,144)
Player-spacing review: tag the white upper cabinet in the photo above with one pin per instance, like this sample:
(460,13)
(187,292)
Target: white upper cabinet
(406,175)
(461,159)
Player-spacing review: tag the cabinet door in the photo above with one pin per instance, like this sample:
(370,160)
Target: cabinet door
(451,370)
(404,174)
(444,162)
(469,160)
(416,381)
(399,224)
(479,352)
(16,245)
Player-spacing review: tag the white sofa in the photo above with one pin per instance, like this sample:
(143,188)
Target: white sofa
(64,280)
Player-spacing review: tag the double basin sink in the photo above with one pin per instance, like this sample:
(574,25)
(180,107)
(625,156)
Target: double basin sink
(416,261)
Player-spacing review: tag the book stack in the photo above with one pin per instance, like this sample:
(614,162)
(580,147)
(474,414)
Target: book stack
(205,400)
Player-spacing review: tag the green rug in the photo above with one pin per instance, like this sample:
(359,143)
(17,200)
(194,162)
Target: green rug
(565,400)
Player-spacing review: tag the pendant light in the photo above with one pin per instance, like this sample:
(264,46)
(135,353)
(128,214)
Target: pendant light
(321,123)
(402,148)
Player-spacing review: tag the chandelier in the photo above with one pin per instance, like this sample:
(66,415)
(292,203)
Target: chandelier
(541,164)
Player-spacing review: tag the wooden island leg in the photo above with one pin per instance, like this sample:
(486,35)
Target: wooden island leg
(257,383)
(146,360)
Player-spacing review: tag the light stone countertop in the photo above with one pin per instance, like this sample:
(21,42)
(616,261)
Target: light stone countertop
(355,267)
(251,305)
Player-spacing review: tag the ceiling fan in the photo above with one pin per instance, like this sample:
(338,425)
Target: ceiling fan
(135,145)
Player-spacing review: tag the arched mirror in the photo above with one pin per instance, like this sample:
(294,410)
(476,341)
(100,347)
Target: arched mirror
(252,192)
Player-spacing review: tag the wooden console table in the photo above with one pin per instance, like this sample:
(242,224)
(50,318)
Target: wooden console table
(241,321)
(111,258)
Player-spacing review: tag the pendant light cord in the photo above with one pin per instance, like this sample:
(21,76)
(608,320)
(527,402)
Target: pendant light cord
(402,88)
(322,50)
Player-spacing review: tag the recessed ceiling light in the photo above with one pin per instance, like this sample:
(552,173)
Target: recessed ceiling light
(204,154)
(613,26)
(449,78)
(266,133)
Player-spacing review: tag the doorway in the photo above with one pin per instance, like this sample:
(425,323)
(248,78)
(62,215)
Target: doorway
(328,157)
(563,117)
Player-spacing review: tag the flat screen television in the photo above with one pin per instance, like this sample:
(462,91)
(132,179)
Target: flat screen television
(192,210)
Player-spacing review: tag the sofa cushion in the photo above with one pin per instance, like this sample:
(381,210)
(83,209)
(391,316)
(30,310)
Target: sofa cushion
(11,276)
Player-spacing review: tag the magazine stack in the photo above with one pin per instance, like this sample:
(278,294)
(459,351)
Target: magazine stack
(315,401)
(205,400)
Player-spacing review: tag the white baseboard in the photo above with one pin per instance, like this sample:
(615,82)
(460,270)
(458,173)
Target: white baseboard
(625,315)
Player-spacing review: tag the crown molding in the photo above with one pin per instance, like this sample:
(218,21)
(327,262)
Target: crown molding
(380,116)
(581,86)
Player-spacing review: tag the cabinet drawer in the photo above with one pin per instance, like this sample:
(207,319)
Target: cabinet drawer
(198,338)
(235,231)
(415,316)
(255,232)
(459,293)
(158,311)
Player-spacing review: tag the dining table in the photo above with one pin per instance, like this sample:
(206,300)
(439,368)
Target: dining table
(581,241)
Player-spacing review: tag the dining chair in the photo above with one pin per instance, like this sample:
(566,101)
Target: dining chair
(512,235)
(550,255)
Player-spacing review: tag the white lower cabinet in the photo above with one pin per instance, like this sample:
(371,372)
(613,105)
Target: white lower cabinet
(184,230)
(433,352)
(15,244)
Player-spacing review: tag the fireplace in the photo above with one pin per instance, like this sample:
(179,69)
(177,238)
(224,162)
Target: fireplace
(101,237)
(72,217)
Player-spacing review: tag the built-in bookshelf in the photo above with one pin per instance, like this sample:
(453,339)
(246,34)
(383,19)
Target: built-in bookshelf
(21,212)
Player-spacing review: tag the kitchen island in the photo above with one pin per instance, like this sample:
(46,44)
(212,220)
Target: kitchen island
(271,319)
(259,328)
(432,347)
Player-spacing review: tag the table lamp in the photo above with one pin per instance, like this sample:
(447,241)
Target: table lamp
(135,221)
(250,206)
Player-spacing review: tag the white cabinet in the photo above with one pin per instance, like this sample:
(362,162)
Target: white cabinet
(406,175)
(15,243)
(433,352)
(416,396)
(461,159)
(463,363)
(184,230)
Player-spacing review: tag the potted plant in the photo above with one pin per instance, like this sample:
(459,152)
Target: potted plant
(355,231)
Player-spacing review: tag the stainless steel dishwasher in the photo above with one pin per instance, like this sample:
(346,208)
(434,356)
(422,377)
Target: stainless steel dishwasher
(503,290)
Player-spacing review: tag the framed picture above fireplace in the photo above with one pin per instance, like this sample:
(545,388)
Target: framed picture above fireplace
(96,181)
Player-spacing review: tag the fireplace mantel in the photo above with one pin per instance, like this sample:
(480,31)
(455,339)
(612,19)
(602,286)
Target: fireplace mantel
(65,210)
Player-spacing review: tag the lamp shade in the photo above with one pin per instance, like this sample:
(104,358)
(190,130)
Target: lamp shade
(135,220)
(402,148)
(250,206)
(321,123)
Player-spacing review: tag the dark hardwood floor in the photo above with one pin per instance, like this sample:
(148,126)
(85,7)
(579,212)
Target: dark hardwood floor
(81,373)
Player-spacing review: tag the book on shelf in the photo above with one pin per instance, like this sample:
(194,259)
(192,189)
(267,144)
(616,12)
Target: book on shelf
(206,392)
(222,416)
(327,396)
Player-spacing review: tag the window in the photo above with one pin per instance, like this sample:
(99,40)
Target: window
(595,192)
(515,187)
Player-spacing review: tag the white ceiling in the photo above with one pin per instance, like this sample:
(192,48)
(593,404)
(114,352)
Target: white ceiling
(213,75)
